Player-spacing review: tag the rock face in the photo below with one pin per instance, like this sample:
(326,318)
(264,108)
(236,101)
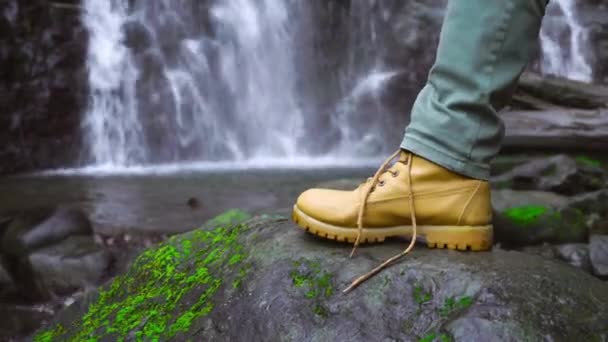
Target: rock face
(576,254)
(598,251)
(560,174)
(71,264)
(267,280)
(52,252)
(29,231)
(43,83)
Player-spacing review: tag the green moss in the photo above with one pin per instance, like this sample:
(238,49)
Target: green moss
(308,277)
(587,161)
(446,338)
(525,215)
(452,304)
(230,217)
(428,338)
(420,296)
(167,289)
(50,335)
(432,337)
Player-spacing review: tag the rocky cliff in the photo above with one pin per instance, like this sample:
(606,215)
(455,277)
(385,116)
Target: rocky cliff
(43,83)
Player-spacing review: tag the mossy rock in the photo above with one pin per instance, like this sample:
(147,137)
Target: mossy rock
(264,279)
(532,217)
(561,174)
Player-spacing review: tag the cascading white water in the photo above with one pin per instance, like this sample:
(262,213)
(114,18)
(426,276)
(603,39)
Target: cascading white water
(562,29)
(238,80)
(112,122)
(223,92)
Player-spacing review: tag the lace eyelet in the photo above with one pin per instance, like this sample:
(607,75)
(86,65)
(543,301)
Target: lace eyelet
(381,183)
(396,174)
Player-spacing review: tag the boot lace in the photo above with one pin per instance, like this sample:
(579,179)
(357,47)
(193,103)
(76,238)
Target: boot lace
(365,195)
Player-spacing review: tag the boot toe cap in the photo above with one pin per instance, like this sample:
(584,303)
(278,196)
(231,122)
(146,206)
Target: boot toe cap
(329,206)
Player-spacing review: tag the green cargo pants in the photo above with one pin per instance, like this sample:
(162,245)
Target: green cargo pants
(484,46)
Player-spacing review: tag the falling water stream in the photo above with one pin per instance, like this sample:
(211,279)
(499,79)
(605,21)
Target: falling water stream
(562,24)
(220,81)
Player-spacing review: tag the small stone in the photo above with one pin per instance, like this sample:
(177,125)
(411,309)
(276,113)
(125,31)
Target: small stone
(576,254)
(598,252)
(193,202)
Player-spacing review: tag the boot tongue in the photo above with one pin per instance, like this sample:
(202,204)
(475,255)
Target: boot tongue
(403,156)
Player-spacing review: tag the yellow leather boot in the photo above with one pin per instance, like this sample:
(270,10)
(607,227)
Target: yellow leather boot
(448,210)
(414,198)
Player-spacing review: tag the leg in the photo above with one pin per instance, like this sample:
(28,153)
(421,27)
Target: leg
(484,47)
(437,189)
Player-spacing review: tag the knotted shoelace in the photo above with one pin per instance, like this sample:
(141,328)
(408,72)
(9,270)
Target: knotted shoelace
(362,206)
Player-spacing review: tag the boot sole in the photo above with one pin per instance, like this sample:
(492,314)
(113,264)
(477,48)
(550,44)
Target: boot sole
(473,238)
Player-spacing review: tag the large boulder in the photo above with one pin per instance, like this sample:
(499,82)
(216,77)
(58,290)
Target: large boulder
(598,251)
(561,174)
(532,217)
(32,230)
(76,262)
(267,280)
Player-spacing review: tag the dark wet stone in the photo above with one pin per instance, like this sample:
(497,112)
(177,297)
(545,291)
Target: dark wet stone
(505,199)
(32,230)
(533,217)
(7,284)
(44,84)
(598,251)
(19,321)
(560,174)
(576,254)
(545,250)
(595,208)
(137,37)
(289,288)
(74,263)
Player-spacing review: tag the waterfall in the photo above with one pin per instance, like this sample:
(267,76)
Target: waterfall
(112,122)
(216,81)
(181,81)
(564,41)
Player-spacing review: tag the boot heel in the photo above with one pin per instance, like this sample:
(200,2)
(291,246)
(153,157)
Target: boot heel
(473,238)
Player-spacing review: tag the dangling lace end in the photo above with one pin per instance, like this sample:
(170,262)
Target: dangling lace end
(352,252)
(373,272)
(379,268)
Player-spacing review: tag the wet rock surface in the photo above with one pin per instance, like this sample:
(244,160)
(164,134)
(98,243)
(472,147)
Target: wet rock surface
(560,174)
(576,254)
(47,255)
(74,263)
(292,282)
(598,252)
(43,83)
(32,230)
(7,284)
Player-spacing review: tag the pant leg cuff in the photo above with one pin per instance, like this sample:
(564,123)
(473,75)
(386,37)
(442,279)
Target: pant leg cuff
(435,155)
